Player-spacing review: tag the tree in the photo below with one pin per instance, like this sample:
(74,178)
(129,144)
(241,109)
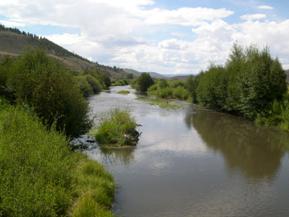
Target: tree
(144,82)
(191,85)
(247,85)
(49,90)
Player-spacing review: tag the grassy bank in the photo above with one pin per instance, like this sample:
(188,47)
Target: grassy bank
(41,176)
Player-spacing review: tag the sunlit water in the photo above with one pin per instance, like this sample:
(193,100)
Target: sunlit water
(195,163)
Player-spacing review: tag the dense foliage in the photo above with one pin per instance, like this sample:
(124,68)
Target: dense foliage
(40,176)
(48,89)
(169,89)
(121,82)
(117,129)
(143,82)
(89,85)
(247,85)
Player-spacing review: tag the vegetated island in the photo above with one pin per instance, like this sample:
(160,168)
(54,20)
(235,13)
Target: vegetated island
(123,92)
(117,130)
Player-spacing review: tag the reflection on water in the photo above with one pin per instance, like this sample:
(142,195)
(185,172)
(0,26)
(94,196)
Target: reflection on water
(257,152)
(117,156)
(192,162)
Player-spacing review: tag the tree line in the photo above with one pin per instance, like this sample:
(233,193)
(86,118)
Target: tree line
(50,90)
(251,84)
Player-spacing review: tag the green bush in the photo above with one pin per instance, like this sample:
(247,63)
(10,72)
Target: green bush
(122,82)
(84,86)
(143,82)
(40,176)
(5,70)
(50,91)
(102,78)
(115,129)
(191,86)
(180,93)
(172,89)
(88,85)
(276,115)
(94,83)
(247,85)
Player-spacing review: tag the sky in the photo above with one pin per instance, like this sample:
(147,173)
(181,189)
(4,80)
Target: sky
(164,36)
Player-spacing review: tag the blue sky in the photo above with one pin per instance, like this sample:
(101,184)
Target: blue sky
(166,36)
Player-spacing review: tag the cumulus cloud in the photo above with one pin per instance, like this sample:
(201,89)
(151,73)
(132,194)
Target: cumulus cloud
(136,34)
(185,16)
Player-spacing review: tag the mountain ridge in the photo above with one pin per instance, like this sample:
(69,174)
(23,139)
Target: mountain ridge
(14,42)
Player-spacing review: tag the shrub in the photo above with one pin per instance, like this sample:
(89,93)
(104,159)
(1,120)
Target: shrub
(48,89)
(180,93)
(247,85)
(5,70)
(191,86)
(94,83)
(100,77)
(143,82)
(118,129)
(169,90)
(84,86)
(122,82)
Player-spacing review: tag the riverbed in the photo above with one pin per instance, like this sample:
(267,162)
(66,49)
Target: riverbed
(193,162)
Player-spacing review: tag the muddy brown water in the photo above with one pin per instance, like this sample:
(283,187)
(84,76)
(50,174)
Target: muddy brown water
(195,163)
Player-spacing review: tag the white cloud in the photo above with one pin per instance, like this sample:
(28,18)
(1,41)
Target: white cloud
(252,17)
(130,33)
(12,23)
(265,7)
(185,16)
(66,38)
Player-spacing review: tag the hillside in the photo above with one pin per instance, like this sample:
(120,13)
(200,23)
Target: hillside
(153,74)
(14,42)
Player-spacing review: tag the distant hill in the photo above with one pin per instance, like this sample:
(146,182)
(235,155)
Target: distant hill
(158,75)
(180,77)
(14,42)
(153,74)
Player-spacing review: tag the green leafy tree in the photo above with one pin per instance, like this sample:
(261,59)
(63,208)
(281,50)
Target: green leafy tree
(51,91)
(191,85)
(144,82)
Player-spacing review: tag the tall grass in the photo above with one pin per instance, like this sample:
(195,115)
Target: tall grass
(117,129)
(40,176)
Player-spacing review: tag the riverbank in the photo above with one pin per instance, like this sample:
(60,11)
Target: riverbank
(40,175)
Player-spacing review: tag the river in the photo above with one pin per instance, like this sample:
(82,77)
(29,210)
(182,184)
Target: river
(192,162)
